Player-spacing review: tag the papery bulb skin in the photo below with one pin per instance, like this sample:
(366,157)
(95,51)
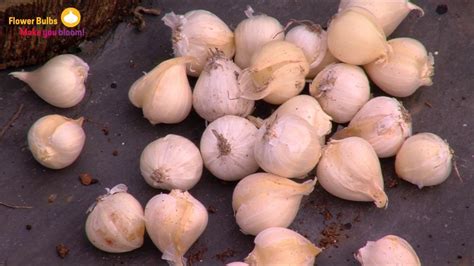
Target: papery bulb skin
(217,92)
(341,90)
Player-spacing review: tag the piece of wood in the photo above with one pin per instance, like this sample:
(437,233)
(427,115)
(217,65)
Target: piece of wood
(97,16)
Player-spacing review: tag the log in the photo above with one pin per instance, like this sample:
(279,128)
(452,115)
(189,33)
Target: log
(97,16)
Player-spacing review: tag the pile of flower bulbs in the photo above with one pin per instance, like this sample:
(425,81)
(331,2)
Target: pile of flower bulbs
(260,60)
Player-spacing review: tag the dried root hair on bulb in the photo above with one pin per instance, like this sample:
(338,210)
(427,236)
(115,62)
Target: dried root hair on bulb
(389,14)
(227,147)
(115,222)
(216,92)
(281,246)
(174,222)
(355,38)
(264,200)
(424,160)
(341,90)
(60,82)
(195,34)
(349,169)
(171,162)
(388,250)
(164,94)
(253,33)
(56,141)
(276,73)
(287,146)
(383,122)
(312,39)
(408,67)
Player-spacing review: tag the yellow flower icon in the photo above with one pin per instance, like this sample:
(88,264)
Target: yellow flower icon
(70,17)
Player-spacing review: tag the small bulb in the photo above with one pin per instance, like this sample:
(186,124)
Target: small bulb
(174,222)
(217,92)
(383,122)
(355,37)
(349,169)
(424,160)
(264,200)
(281,246)
(171,162)
(164,94)
(408,67)
(56,141)
(60,82)
(253,33)
(287,146)
(195,34)
(389,250)
(341,90)
(389,14)
(227,147)
(276,73)
(115,222)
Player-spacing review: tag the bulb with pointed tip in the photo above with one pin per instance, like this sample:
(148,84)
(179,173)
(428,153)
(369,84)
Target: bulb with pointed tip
(424,160)
(60,82)
(389,13)
(164,93)
(389,250)
(349,169)
(174,222)
(195,34)
(253,33)
(264,200)
(281,246)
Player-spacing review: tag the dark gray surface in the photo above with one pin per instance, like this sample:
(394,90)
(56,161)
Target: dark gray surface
(437,221)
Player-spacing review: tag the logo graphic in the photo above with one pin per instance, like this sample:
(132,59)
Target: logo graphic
(70,17)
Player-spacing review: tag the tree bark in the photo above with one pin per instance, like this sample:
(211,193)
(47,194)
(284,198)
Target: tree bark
(97,16)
